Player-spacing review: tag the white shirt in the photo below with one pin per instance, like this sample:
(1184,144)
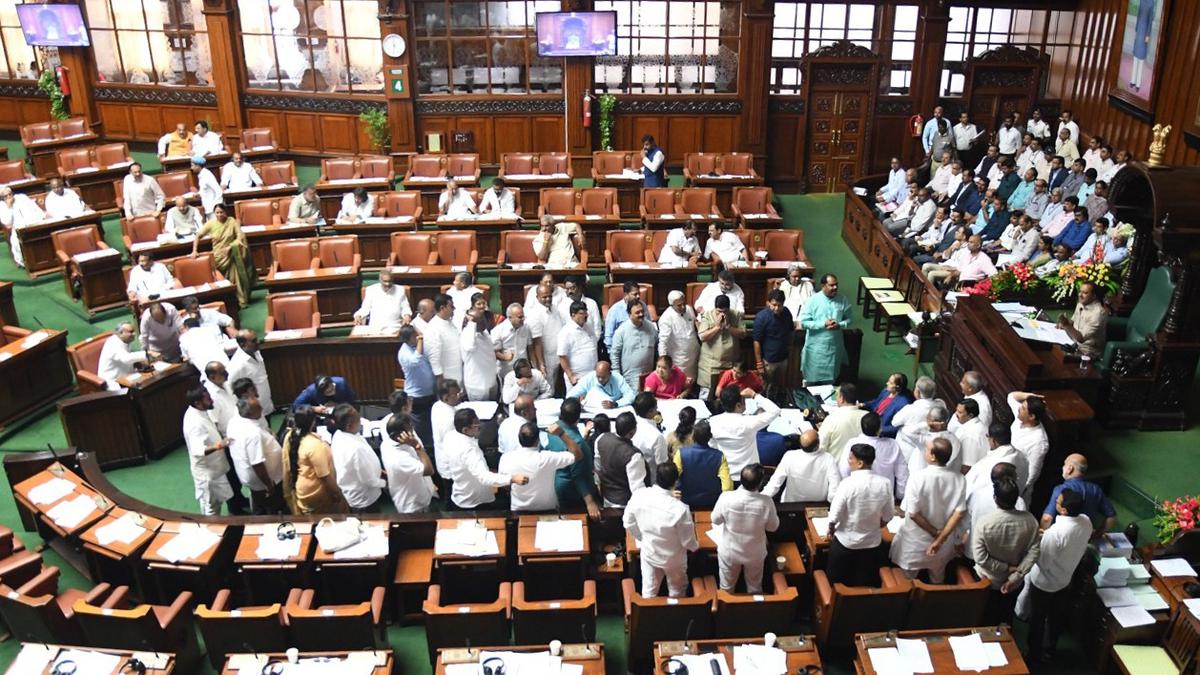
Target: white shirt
(384,309)
(153,282)
(916,460)
(505,338)
(861,505)
(985,411)
(1038,128)
(191,217)
(473,481)
(244,177)
(728,248)
(595,320)
(842,424)
(210,190)
(462,302)
(677,338)
(142,197)
(538,494)
(461,206)
(507,434)
(117,360)
(941,179)
(1008,140)
(649,439)
(653,161)
(578,344)
(250,444)
(1030,441)
(224,406)
(500,206)
(910,421)
(538,387)
(974,439)
(1062,547)
(890,461)
(359,473)
(479,360)
(937,493)
(662,526)
(66,205)
(201,346)
(921,218)
(747,516)
(353,211)
(708,297)
(736,435)
(199,434)
(545,324)
(964,135)
(242,365)
(810,477)
(441,418)
(443,349)
(689,245)
(980,473)
(408,486)
(208,143)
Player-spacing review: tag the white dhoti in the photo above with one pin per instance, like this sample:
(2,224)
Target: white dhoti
(675,570)
(212,493)
(730,567)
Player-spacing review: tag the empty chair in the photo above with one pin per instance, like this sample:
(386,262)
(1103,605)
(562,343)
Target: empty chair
(293,311)
(599,202)
(73,241)
(752,207)
(516,164)
(693,291)
(85,361)
(698,202)
(556,202)
(258,138)
(412,249)
(609,163)
(174,184)
(426,166)
(338,168)
(783,244)
(737,164)
(516,247)
(698,164)
(371,167)
(75,126)
(140,230)
(1175,653)
(457,248)
(113,154)
(539,622)
(196,271)
(153,628)
(13,171)
(626,246)
(449,625)
(292,255)
(741,615)
(72,160)
(554,164)
(840,611)
(650,620)
(38,132)
(463,167)
(257,212)
(229,630)
(339,251)
(277,173)
(399,205)
(336,627)
(947,605)
(35,611)
(658,204)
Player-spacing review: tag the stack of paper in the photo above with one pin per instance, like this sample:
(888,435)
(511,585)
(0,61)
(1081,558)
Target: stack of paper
(717,534)
(1114,572)
(701,664)
(1173,567)
(70,513)
(51,491)
(1114,545)
(1116,597)
(123,530)
(486,410)
(271,547)
(790,421)
(374,544)
(821,525)
(1193,605)
(189,543)
(468,539)
(1148,597)
(759,659)
(968,652)
(1132,615)
(893,526)
(282,335)
(559,535)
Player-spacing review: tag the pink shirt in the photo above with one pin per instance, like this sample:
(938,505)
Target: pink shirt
(672,388)
(972,267)
(1058,224)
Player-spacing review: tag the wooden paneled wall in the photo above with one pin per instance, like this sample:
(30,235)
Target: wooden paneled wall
(19,110)
(312,132)
(146,122)
(679,134)
(496,135)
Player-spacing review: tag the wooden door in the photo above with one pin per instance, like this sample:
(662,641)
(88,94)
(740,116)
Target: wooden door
(839,84)
(1003,80)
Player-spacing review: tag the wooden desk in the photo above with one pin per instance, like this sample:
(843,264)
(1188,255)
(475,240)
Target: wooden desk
(236,664)
(160,400)
(34,372)
(1098,630)
(497,526)
(114,561)
(220,291)
(487,232)
(53,652)
(629,192)
(268,581)
(95,188)
(590,656)
(665,278)
(368,364)
(724,185)
(531,185)
(203,573)
(212,162)
(42,511)
(670,221)
(259,237)
(754,276)
(514,279)
(30,511)
(338,289)
(263,192)
(103,283)
(469,579)
(38,247)
(801,651)
(527,535)
(375,237)
(42,152)
(8,309)
(346,578)
(26,185)
(940,654)
(425,281)
(165,248)
(331,192)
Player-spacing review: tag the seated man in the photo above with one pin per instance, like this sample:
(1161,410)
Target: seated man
(357,206)
(1102,246)
(177,143)
(723,246)
(62,202)
(206,142)
(142,195)
(305,207)
(1060,257)
(1076,232)
(209,317)
(681,247)
(739,378)
(610,389)
(969,264)
(384,305)
(324,393)
(724,285)
(17,211)
(117,360)
(1088,323)
(148,278)
(455,203)
(498,201)
(183,219)
(557,242)
(238,174)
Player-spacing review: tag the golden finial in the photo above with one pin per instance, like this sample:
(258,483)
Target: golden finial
(1158,146)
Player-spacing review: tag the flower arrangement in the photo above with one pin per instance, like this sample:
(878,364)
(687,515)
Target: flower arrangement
(1016,279)
(983,288)
(1175,516)
(1126,230)
(1066,281)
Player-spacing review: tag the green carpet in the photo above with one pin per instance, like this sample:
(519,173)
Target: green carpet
(1149,463)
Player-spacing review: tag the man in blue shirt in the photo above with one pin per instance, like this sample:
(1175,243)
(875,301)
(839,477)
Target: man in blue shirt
(930,129)
(998,217)
(324,393)
(609,383)
(774,329)
(618,312)
(1096,506)
(1076,231)
(573,485)
(419,381)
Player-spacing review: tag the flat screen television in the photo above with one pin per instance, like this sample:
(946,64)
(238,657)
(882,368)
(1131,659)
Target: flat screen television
(577,33)
(53,25)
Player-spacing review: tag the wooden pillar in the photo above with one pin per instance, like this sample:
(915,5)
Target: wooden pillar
(228,67)
(399,80)
(578,80)
(933,21)
(81,74)
(754,76)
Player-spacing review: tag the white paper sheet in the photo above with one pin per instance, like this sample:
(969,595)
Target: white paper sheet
(699,663)
(87,661)
(1149,599)
(486,410)
(33,659)
(887,661)
(759,660)
(190,542)
(670,409)
(969,653)
(1116,597)
(717,534)
(995,654)
(894,524)
(594,401)
(51,491)
(282,335)
(1173,567)
(1042,331)
(915,654)
(70,513)
(559,535)
(821,525)
(1132,615)
(468,539)
(374,544)
(1193,605)
(124,530)
(1113,572)
(271,547)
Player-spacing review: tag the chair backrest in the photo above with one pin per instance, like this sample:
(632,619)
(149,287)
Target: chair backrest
(741,615)
(12,170)
(553,162)
(737,163)
(659,200)
(613,293)
(85,355)
(135,628)
(230,632)
(751,239)
(375,167)
(700,163)
(462,165)
(396,204)
(74,158)
(539,622)
(1182,640)
(1151,307)
(752,199)
(480,624)
(255,212)
(76,240)
(337,251)
(455,247)
(175,184)
(426,166)
(258,137)
(338,628)
(607,162)
(292,311)
(294,254)
(36,618)
(38,131)
(195,271)
(599,202)
(72,127)
(627,246)
(517,163)
(112,153)
(854,609)
(948,605)
(698,200)
(275,173)
(558,201)
(693,291)
(142,228)
(338,168)
(782,244)
(412,248)
(657,619)
(518,246)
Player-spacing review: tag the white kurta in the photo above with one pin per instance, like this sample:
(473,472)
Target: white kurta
(142,197)
(505,338)
(66,205)
(479,363)
(443,349)
(117,360)
(208,468)
(384,309)
(727,247)
(578,344)
(461,205)
(23,212)
(936,493)
(985,410)
(352,211)
(251,444)
(745,517)
(1031,442)
(209,143)
(499,205)
(210,191)
(410,490)
(244,177)
(665,532)
(203,345)
(359,472)
(677,239)
(242,365)
(677,338)
(154,281)
(462,302)
(974,439)
(708,298)
(538,494)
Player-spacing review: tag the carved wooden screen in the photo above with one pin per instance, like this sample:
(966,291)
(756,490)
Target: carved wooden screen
(1003,80)
(840,83)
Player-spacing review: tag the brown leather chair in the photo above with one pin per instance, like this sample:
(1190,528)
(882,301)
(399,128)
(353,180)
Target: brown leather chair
(227,630)
(339,251)
(626,246)
(783,244)
(599,202)
(13,171)
(293,255)
(538,622)
(737,164)
(139,230)
(17,565)
(476,623)
(702,201)
(660,619)
(176,184)
(755,201)
(196,271)
(412,249)
(73,241)
(257,212)
(293,311)
(693,291)
(38,132)
(258,138)
(85,361)
(609,162)
(516,164)
(154,628)
(35,611)
(613,293)
(556,202)
(463,167)
(11,334)
(405,204)
(457,248)
(277,172)
(955,605)
(658,202)
(73,159)
(743,615)
(109,154)
(516,247)
(375,167)
(337,627)
(426,166)
(551,163)
(699,164)
(73,126)
(751,239)
(338,168)
(840,611)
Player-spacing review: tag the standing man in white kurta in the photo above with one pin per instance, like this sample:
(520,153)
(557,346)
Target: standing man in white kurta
(479,359)
(442,341)
(934,505)
(206,453)
(665,532)
(677,334)
(248,362)
(746,515)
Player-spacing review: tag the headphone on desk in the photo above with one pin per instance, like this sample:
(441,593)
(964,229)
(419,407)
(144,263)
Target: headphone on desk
(64,667)
(272,668)
(673,666)
(285,531)
(489,669)
(134,666)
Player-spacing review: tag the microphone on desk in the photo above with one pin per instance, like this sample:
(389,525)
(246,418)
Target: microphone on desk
(587,644)
(39,322)
(687,634)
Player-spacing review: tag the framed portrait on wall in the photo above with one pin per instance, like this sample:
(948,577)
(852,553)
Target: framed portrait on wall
(1139,55)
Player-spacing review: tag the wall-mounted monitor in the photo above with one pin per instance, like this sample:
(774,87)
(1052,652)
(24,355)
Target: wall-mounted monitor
(577,33)
(53,25)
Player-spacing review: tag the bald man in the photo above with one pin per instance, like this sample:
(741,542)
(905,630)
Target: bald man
(1096,506)
(424,314)
(811,474)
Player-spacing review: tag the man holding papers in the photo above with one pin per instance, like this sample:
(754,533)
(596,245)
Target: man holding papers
(745,515)
(602,389)
(665,532)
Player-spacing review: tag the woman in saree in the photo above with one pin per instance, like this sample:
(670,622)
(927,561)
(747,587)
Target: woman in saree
(230,251)
(309,479)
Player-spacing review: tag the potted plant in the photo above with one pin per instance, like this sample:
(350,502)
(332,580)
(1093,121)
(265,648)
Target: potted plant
(379,131)
(608,103)
(48,83)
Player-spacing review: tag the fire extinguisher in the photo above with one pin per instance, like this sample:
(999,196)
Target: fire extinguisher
(63,83)
(916,125)
(587,111)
